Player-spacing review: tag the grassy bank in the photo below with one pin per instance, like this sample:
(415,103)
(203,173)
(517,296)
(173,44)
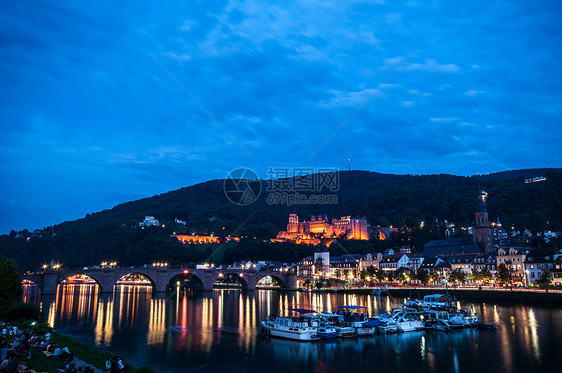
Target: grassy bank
(90,354)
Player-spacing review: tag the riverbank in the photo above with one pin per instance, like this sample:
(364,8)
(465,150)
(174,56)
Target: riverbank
(484,294)
(36,358)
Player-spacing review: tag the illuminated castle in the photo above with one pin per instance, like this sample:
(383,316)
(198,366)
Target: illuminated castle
(319,227)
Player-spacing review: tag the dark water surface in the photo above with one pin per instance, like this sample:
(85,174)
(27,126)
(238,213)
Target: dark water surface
(220,332)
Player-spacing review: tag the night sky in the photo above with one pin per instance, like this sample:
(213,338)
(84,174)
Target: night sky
(102,103)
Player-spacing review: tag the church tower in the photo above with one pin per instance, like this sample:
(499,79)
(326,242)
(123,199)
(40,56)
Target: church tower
(482,232)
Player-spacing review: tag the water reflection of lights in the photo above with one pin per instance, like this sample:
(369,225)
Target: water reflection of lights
(104,323)
(156,323)
(534,337)
(455,360)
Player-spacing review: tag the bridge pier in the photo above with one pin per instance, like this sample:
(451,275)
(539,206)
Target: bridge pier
(50,283)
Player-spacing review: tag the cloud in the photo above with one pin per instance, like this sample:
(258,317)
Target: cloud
(473,92)
(179,57)
(430,65)
(454,119)
(350,98)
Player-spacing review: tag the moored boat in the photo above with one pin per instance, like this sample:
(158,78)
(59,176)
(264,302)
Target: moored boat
(437,301)
(343,329)
(294,328)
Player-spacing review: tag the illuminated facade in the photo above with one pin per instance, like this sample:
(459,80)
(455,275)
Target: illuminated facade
(196,239)
(149,221)
(514,259)
(319,227)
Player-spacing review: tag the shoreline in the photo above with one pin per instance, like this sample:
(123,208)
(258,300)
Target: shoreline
(484,294)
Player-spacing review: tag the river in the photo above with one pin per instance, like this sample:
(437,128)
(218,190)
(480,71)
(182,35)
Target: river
(219,331)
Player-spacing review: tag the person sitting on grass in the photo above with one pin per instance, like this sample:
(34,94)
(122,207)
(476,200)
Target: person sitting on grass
(57,352)
(9,364)
(120,365)
(108,363)
(66,355)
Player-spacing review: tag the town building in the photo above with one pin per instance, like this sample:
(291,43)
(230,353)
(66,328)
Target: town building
(484,261)
(463,262)
(370,260)
(458,246)
(149,221)
(537,263)
(500,235)
(305,267)
(345,267)
(514,259)
(557,271)
(322,260)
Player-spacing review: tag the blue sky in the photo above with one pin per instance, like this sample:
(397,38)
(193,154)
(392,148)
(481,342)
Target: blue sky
(94,106)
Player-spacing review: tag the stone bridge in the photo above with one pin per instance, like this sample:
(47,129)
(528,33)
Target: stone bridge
(160,278)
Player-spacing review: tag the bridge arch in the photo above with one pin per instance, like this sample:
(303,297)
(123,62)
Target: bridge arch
(184,277)
(236,276)
(280,280)
(78,278)
(29,282)
(135,278)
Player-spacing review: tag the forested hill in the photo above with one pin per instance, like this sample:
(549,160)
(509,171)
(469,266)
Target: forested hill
(528,173)
(384,199)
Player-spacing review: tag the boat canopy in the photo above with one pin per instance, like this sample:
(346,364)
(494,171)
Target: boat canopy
(301,310)
(434,296)
(328,314)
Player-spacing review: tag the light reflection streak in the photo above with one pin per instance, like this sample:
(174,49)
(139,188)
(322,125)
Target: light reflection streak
(156,323)
(534,337)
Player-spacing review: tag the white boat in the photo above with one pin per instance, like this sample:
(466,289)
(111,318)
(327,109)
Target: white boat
(363,328)
(450,321)
(325,330)
(343,329)
(357,318)
(408,324)
(405,320)
(470,320)
(289,328)
(294,328)
(437,301)
(388,323)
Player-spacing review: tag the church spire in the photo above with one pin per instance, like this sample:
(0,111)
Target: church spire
(481,207)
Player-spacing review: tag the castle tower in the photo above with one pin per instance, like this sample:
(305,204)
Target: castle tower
(293,219)
(482,232)
(293,226)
